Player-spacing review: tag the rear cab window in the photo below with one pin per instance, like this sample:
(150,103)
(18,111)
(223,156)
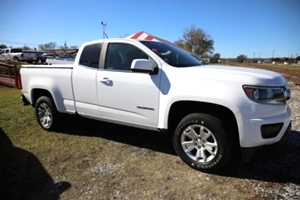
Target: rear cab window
(16,51)
(90,55)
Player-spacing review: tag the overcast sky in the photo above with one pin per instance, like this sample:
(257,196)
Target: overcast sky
(256,28)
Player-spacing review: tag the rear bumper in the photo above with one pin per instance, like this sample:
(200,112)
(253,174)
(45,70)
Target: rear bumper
(24,100)
(252,153)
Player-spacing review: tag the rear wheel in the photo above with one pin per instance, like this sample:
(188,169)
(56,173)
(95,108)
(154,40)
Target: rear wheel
(202,143)
(16,59)
(46,113)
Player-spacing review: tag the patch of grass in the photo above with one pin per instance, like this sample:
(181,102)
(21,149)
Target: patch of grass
(95,160)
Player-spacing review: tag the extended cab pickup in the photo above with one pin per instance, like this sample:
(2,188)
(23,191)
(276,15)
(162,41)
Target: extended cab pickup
(213,112)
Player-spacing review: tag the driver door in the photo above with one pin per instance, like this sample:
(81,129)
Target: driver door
(123,95)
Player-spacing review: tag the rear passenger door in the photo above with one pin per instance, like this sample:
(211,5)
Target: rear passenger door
(84,81)
(125,96)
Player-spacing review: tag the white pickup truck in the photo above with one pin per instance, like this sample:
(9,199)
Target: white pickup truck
(213,112)
(12,54)
(17,54)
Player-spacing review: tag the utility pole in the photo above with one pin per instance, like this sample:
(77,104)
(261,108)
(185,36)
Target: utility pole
(273,53)
(65,47)
(103,29)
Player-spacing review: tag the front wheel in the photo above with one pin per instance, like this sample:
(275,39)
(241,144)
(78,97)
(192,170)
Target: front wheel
(202,143)
(46,113)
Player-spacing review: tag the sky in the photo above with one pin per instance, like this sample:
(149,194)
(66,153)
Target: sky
(255,28)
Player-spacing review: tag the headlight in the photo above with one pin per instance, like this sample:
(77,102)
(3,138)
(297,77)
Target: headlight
(273,95)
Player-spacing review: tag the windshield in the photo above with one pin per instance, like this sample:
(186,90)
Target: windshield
(171,54)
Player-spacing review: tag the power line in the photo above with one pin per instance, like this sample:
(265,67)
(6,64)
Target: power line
(60,37)
(14,42)
(33,35)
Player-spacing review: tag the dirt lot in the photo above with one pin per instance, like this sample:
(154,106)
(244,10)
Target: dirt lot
(94,160)
(291,74)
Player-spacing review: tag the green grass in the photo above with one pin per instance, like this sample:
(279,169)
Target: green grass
(94,160)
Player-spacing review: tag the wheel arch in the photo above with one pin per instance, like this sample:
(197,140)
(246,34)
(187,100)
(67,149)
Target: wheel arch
(16,58)
(180,109)
(37,93)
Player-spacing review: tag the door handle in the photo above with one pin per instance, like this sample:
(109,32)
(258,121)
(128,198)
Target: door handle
(106,80)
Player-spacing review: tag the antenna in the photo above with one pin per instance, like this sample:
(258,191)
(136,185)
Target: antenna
(103,28)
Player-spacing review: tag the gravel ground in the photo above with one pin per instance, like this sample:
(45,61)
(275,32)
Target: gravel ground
(294,103)
(277,174)
(280,174)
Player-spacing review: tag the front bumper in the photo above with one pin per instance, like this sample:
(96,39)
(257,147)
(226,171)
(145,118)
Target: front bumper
(263,124)
(252,153)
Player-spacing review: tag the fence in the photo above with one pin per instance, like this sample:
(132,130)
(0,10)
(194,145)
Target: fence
(9,74)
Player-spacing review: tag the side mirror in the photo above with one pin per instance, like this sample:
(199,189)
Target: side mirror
(142,65)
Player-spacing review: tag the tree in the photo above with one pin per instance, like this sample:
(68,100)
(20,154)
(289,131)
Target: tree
(63,47)
(48,46)
(215,58)
(26,47)
(196,41)
(74,47)
(241,58)
(276,59)
(3,46)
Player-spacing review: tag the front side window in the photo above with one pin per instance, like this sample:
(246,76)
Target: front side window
(90,55)
(172,55)
(120,56)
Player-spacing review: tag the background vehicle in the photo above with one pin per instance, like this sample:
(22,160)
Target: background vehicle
(61,59)
(12,54)
(30,55)
(19,55)
(213,112)
(42,57)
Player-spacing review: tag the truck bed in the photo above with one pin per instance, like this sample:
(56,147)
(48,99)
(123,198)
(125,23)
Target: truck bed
(58,82)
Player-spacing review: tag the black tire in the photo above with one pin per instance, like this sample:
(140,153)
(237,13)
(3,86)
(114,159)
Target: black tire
(46,113)
(16,59)
(201,142)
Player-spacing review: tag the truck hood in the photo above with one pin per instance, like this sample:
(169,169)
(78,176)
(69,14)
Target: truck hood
(243,75)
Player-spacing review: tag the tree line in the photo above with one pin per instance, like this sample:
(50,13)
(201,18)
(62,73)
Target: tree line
(44,47)
(52,46)
(243,58)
